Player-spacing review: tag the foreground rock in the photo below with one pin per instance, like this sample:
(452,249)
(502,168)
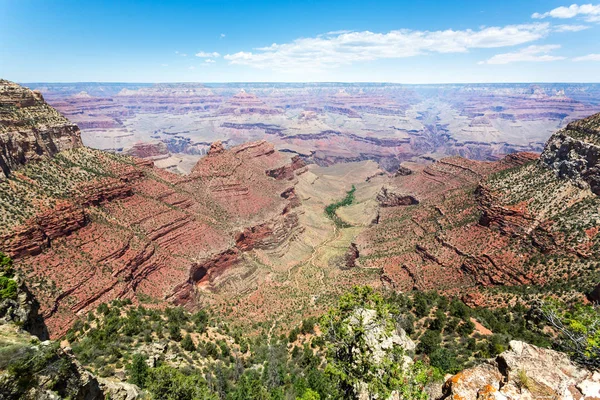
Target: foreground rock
(525,372)
(22,311)
(35,370)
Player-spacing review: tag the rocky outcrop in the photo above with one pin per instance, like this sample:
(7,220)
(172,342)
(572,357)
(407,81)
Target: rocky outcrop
(23,310)
(30,129)
(30,369)
(574,153)
(525,372)
(54,374)
(392,197)
(117,390)
(594,296)
(148,150)
(351,256)
(403,171)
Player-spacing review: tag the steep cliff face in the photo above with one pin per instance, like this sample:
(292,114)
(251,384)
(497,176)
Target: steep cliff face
(574,153)
(34,369)
(29,128)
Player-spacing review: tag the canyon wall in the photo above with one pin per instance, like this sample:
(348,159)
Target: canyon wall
(30,129)
(85,226)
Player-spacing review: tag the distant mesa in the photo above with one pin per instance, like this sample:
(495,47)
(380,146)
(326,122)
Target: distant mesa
(247,103)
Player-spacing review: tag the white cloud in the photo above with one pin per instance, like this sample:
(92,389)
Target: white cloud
(570,28)
(589,12)
(589,57)
(531,54)
(222,35)
(203,54)
(181,54)
(210,61)
(341,48)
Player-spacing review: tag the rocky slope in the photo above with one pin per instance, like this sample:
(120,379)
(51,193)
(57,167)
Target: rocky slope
(34,369)
(574,153)
(515,222)
(525,372)
(86,226)
(30,129)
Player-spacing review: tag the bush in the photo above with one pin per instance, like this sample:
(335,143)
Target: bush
(175,332)
(8,288)
(187,343)
(445,360)
(138,370)
(429,342)
(6,265)
(350,357)
(578,330)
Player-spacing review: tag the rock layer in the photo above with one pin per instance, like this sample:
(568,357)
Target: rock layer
(29,128)
(574,153)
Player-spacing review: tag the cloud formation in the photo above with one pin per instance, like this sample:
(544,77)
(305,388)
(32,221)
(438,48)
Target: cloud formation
(341,48)
(203,54)
(588,12)
(528,54)
(570,28)
(589,57)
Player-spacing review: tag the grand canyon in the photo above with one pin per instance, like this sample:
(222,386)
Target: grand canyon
(243,232)
(299,201)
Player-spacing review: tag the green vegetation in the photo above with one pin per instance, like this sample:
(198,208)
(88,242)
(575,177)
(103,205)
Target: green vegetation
(37,366)
(199,356)
(577,328)
(219,364)
(362,318)
(346,201)
(8,286)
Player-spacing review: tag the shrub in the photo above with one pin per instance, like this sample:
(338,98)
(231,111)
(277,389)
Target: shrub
(138,370)
(349,355)
(187,343)
(8,288)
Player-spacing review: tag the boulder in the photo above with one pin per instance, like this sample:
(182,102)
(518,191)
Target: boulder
(525,372)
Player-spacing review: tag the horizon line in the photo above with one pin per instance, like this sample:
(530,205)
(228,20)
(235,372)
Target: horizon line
(317,82)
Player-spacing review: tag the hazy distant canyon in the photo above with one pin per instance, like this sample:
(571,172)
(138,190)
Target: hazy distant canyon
(324,123)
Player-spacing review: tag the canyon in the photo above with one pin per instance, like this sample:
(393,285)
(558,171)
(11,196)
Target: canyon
(267,237)
(246,227)
(324,123)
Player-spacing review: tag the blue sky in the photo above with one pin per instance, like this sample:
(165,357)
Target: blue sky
(355,41)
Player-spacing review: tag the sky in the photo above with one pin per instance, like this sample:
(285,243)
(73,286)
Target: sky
(299,41)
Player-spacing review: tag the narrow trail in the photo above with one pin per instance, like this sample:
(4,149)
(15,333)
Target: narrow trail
(273,325)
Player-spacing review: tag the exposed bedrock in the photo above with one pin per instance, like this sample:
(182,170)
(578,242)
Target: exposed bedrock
(574,153)
(524,372)
(30,129)
(391,197)
(351,256)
